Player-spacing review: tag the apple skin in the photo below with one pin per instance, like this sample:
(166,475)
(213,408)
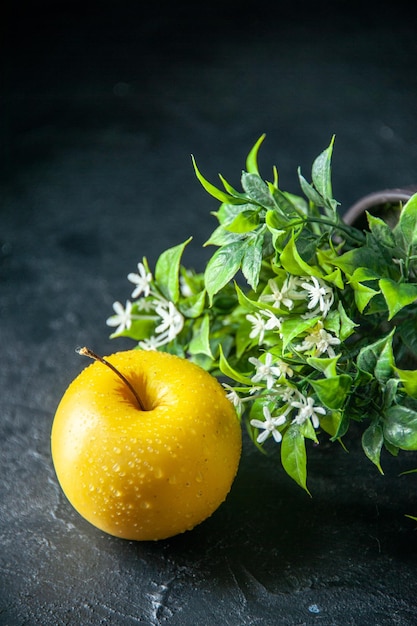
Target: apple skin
(145,475)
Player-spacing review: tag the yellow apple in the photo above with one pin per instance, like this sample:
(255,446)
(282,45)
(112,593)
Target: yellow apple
(152,472)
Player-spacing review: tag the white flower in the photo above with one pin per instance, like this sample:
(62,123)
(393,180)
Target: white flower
(123,317)
(258,326)
(279,296)
(265,371)
(306,410)
(319,294)
(142,280)
(286,392)
(232,395)
(270,425)
(145,306)
(151,343)
(261,322)
(273,321)
(285,369)
(319,340)
(172,321)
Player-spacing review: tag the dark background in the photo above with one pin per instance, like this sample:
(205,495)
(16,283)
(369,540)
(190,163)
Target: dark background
(102,105)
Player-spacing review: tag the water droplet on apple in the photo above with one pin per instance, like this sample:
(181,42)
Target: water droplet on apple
(199,477)
(145,505)
(116,467)
(158,473)
(117,450)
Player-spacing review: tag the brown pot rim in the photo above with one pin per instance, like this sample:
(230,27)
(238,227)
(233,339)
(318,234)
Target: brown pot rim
(378,198)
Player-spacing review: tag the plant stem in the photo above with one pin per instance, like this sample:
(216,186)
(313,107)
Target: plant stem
(87,352)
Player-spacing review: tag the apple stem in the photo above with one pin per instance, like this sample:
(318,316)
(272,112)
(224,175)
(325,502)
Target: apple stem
(87,352)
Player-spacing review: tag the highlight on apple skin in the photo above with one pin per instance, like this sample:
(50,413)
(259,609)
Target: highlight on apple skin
(145,474)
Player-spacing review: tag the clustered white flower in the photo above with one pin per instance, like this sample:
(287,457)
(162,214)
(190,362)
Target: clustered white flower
(275,374)
(169,322)
(289,404)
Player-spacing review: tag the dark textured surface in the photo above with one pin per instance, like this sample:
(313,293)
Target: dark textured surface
(102,105)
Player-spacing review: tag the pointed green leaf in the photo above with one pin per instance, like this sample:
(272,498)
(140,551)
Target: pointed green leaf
(397,295)
(347,326)
(381,231)
(332,392)
(377,358)
(293,327)
(200,342)
(294,264)
(400,427)
(244,222)
(324,364)
(330,422)
(221,237)
(409,381)
(222,267)
(230,372)
(407,224)
(193,306)
(309,191)
(363,294)
(232,191)
(252,158)
(372,441)
(252,260)
(257,190)
(321,172)
(167,271)
(210,188)
(294,456)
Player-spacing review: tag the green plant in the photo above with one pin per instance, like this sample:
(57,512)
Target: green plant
(310,322)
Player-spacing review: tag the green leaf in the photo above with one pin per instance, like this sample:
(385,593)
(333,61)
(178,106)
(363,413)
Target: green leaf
(327,365)
(408,334)
(309,190)
(397,295)
(294,456)
(167,271)
(347,326)
(222,267)
(407,224)
(330,422)
(247,303)
(252,260)
(221,237)
(211,189)
(230,372)
(377,358)
(409,381)
(363,294)
(252,158)
(381,231)
(233,192)
(193,306)
(321,172)
(332,392)
(294,264)
(372,441)
(244,222)
(200,342)
(288,205)
(293,327)
(257,190)
(227,213)
(400,427)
